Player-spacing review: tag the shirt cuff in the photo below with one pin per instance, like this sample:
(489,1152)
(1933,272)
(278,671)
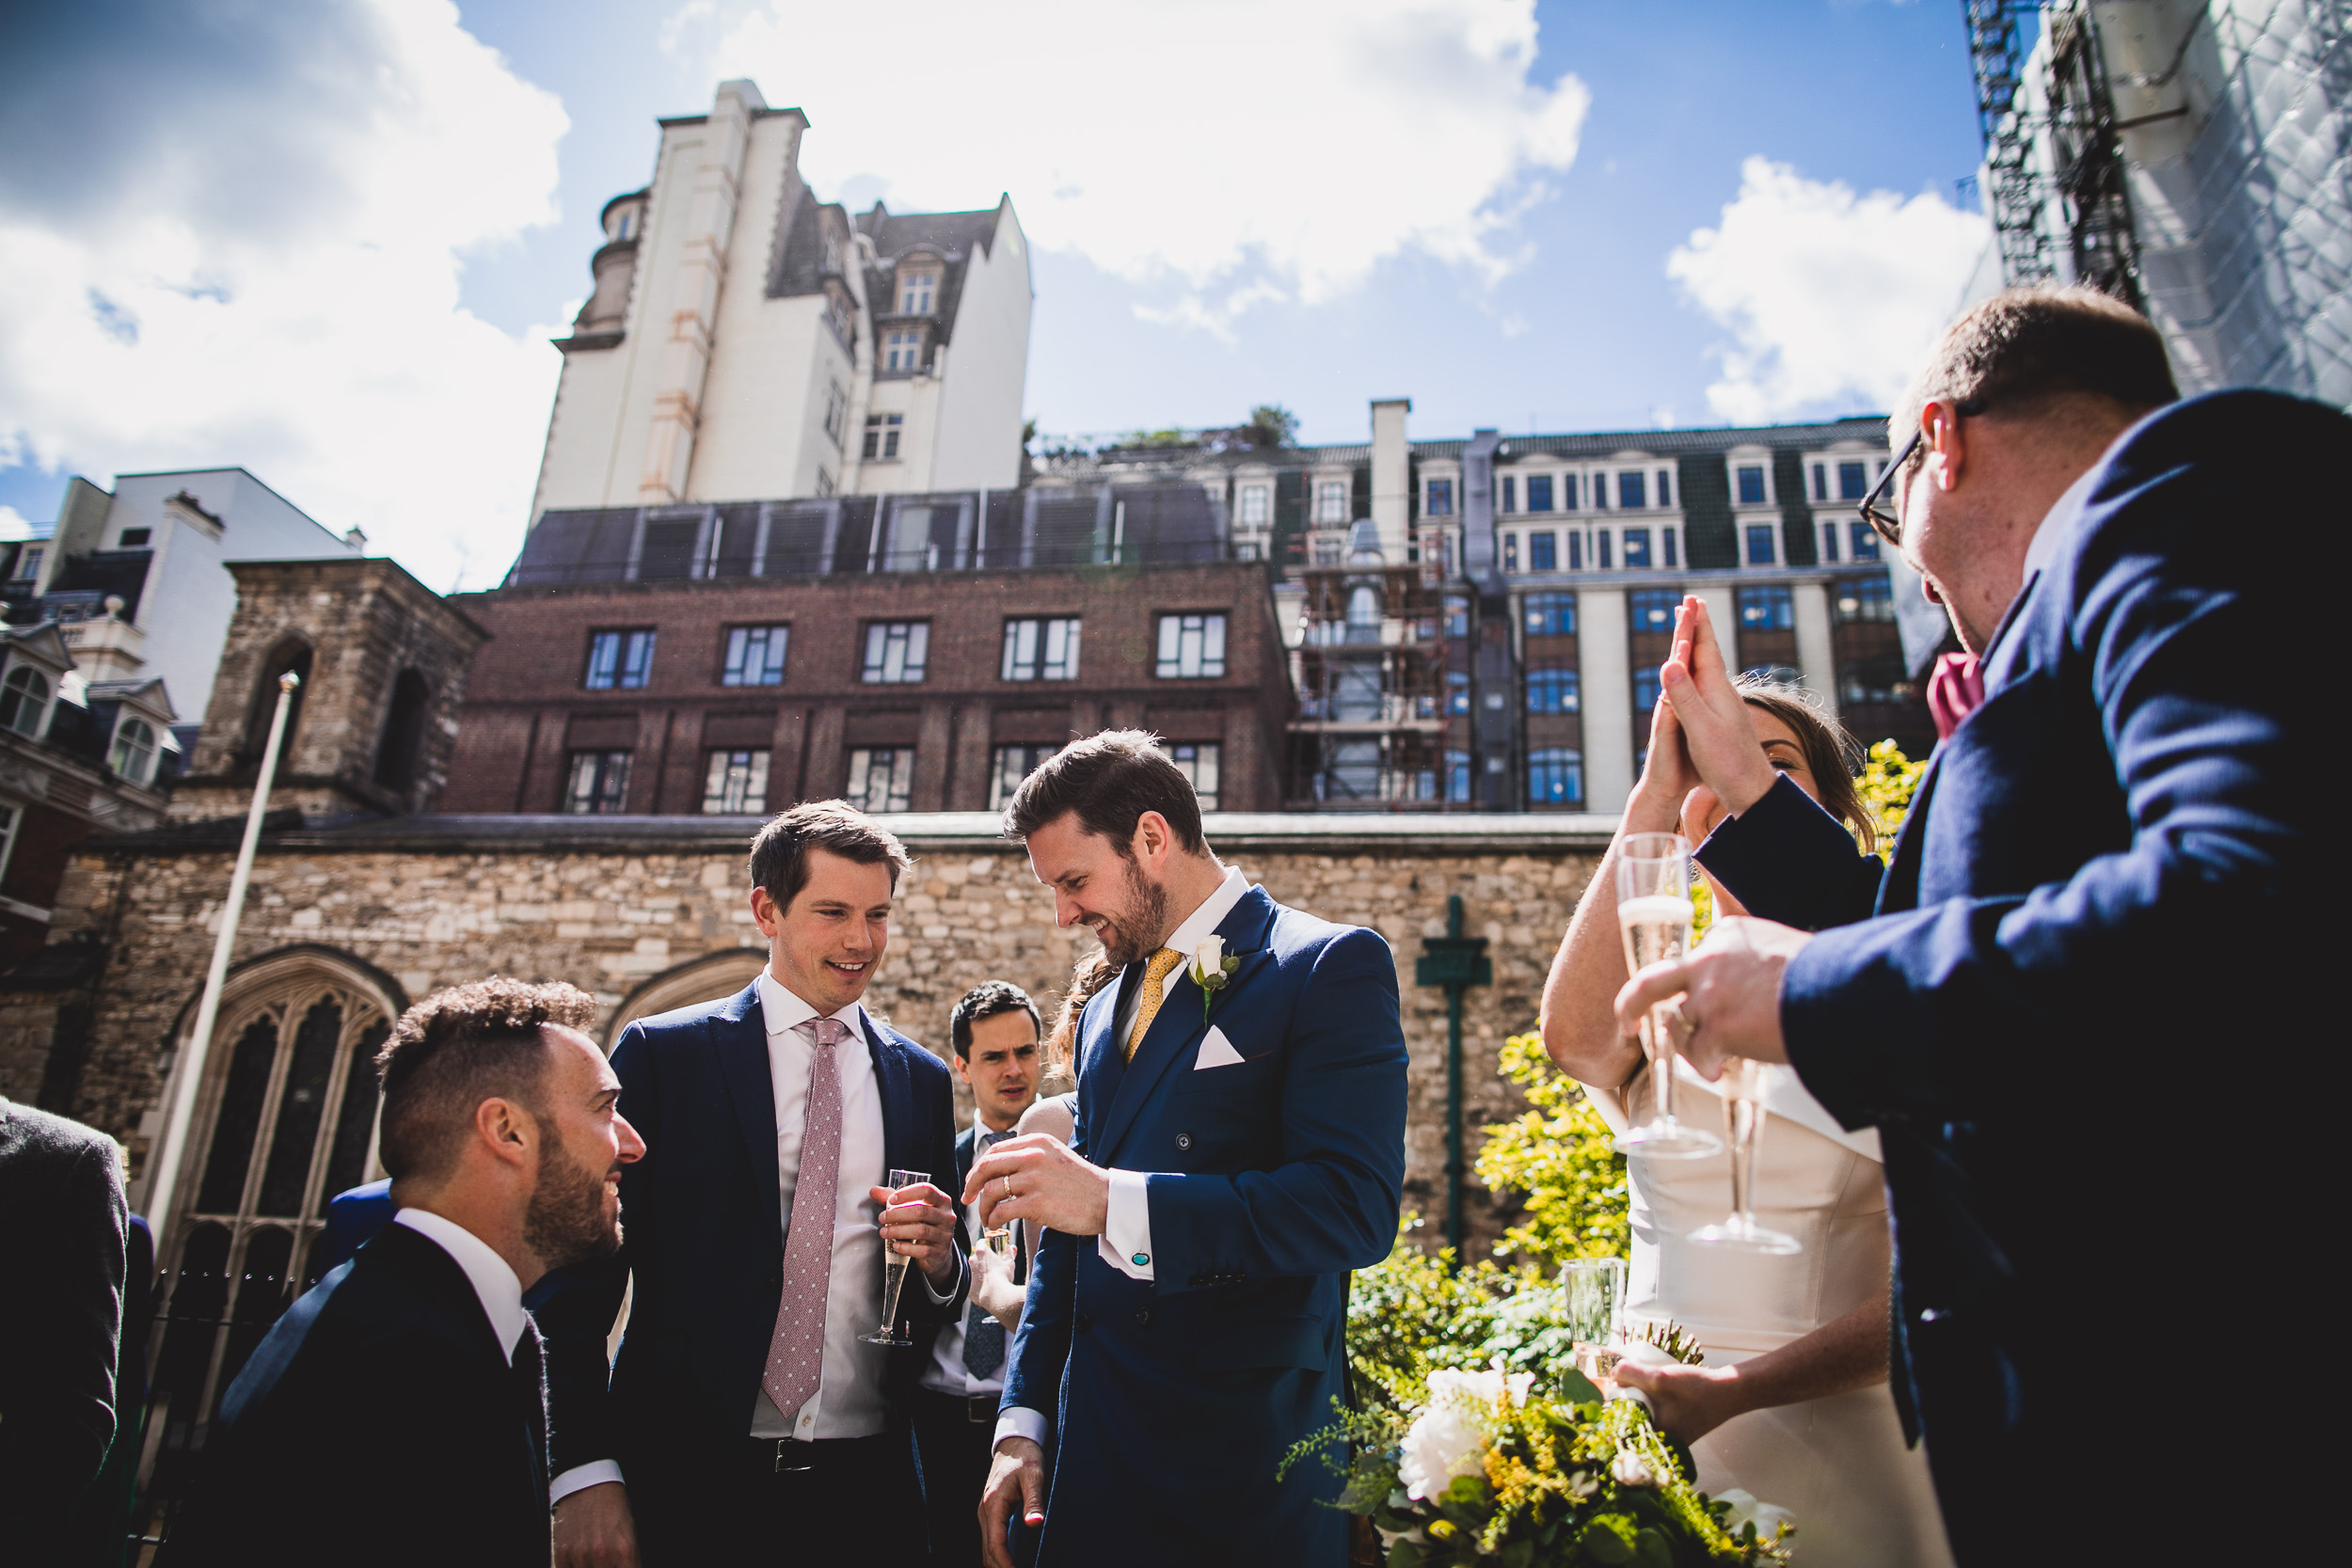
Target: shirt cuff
(580,1476)
(1018,1420)
(1126,1240)
(932,1290)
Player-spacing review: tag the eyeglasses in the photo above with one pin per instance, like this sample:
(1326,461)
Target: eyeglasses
(1886,520)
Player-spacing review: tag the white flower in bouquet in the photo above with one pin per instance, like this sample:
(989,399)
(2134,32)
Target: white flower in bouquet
(1631,1469)
(1448,1438)
(1746,1509)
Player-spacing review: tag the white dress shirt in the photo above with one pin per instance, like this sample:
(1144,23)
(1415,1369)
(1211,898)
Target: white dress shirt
(495,1284)
(1125,1244)
(848,1402)
(946,1373)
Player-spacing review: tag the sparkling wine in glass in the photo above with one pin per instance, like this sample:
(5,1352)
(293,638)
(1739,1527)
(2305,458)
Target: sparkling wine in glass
(1654,912)
(895,1270)
(1742,1087)
(1593,1300)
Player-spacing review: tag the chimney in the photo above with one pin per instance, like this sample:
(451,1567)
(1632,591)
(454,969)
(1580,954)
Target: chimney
(1391,475)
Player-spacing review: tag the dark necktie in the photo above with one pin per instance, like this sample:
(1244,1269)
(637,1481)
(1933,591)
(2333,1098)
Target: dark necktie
(983,1335)
(531,1395)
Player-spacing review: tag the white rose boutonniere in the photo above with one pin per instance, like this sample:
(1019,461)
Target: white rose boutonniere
(1210,969)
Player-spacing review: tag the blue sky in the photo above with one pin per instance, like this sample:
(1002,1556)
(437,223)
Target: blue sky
(348,288)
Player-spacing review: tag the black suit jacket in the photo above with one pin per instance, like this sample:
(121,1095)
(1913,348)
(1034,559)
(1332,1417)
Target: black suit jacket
(62,1233)
(378,1423)
(926,1336)
(703,1218)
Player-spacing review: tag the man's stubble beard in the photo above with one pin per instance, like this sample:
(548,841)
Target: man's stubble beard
(564,1223)
(1146,917)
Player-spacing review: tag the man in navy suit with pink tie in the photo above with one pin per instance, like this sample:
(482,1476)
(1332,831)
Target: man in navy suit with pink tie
(1239,1148)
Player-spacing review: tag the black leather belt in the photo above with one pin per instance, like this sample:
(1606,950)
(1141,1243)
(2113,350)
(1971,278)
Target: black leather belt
(790,1456)
(978,1409)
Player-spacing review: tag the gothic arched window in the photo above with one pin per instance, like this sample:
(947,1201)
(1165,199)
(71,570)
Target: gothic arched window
(292,655)
(404,731)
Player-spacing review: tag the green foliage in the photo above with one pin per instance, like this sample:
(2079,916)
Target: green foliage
(1555,1156)
(1270,424)
(1169,438)
(1886,782)
(1675,1340)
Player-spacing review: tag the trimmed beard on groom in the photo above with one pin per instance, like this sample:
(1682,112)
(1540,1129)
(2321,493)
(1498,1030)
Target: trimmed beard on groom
(1239,1148)
(747,1417)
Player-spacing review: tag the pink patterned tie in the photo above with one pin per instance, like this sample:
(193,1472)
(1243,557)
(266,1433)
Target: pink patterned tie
(796,1357)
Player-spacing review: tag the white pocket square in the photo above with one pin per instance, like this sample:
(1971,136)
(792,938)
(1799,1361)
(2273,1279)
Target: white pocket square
(1217,1051)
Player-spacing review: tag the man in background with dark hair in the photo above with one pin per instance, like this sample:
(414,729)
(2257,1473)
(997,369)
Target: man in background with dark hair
(1239,1147)
(747,1418)
(396,1413)
(2106,859)
(62,1247)
(994,1029)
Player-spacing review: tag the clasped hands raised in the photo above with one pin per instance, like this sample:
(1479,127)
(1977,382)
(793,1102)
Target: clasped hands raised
(1703,762)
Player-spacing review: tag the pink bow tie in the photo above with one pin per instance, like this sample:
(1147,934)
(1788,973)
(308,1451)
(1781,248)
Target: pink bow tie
(1955,688)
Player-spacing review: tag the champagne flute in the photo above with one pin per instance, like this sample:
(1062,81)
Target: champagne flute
(1593,1301)
(1742,1087)
(895,1270)
(1654,912)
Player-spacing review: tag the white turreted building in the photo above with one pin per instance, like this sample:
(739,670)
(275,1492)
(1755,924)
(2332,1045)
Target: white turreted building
(748,339)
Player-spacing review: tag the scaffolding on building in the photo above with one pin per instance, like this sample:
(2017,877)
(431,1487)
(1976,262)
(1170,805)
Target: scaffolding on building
(1372,684)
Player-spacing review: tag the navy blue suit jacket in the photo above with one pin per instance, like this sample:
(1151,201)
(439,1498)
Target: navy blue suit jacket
(353,1218)
(703,1221)
(379,1424)
(1173,1400)
(2097,864)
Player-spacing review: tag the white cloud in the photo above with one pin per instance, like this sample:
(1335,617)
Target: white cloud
(1191,147)
(318,342)
(13,524)
(1831,298)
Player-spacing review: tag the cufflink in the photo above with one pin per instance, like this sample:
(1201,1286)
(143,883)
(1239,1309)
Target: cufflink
(1142,1259)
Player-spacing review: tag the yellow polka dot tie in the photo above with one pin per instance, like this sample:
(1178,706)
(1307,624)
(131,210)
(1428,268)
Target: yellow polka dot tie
(1155,972)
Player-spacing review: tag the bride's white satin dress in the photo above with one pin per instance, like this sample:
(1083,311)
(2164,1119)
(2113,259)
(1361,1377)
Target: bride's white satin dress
(1860,1499)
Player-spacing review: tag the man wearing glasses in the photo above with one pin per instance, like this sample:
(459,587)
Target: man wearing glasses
(2054,965)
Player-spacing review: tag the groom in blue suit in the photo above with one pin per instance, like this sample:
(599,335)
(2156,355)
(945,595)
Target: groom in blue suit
(1239,1147)
(2097,867)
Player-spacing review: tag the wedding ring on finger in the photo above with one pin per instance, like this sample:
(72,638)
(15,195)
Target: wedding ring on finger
(1680,1024)
(1007,1189)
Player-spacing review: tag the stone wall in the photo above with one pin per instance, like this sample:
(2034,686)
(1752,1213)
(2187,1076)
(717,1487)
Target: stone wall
(615,905)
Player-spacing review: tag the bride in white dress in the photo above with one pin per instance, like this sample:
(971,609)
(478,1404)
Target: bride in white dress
(1791,1403)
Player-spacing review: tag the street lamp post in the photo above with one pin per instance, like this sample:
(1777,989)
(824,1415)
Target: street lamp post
(1456,963)
(188,1073)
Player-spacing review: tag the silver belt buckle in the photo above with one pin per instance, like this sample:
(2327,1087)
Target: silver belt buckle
(784,1449)
(979,1409)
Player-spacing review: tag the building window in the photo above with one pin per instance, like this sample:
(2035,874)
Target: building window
(598,785)
(1575,551)
(1652,610)
(895,652)
(735,783)
(902,351)
(1456,616)
(1550,615)
(1192,647)
(621,660)
(28,561)
(1555,777)
(1666,537)
(880,778)
(1829,542)
(1636,549)
(915,293)
(1331,501)
(132,757)
(1539,492)
(1665,489)
(1543,552)
(1457,776)
(1567,492)
(1875,680)
(1854,481)
(824,484)
(1457,691)
(134,538)
(1751,485)
(1551,690)
(1600,492)
(1644,691)
(1510,552)
(1014,764)
(1600,547)
(405,721)
(1760,544)
(1042,650)
(1257,505)
(1510,493)
(882,436)
(24,702)
(1198,763)
(1630,488)
(755,655)
(1865,599)
(1865,539)
(1440,498)
(12,819)
(1771,609)
(1821,481)
(837,412)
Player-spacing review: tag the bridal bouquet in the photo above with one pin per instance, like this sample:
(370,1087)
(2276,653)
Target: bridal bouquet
(1490,1471)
